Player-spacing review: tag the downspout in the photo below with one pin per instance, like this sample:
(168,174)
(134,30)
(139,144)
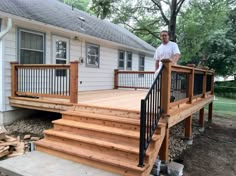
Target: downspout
(5,31)
(2,34)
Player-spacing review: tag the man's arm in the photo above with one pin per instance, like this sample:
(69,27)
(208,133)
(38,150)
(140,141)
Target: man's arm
(175,58)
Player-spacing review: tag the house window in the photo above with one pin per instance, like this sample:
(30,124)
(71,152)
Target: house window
(121,62)
(129,61)
(141,64)
(61,56)
(31,47)
(92,55)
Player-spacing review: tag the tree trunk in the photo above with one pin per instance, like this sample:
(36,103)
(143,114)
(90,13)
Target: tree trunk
(172,28)
(172,22)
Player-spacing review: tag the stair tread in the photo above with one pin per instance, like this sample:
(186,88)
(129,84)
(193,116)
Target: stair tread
(90,140)
(86,153)
(103,117)
(99,128)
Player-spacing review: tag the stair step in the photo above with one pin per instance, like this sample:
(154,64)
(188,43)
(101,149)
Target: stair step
(107,111)
(98,128)
(93,141)
(102,119)
(133,121)
(86,153)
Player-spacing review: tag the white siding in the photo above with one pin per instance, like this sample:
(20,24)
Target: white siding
(149,63)
(102,77)
(89,78)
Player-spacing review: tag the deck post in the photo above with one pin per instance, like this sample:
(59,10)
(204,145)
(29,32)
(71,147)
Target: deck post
(204,84)
(210,106)
(164,150)
(212,83)
(191,83)
(165,85)
(201,117)
(14,80)
(74,81)
(116,79)
(188,128)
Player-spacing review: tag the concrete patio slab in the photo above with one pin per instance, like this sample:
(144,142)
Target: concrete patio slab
(37,164)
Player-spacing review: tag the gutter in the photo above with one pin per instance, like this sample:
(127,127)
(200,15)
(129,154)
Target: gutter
(5,31)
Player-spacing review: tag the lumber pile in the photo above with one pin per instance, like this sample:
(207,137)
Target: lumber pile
(11,146)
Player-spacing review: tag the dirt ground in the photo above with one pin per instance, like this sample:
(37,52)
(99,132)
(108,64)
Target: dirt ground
(213,153)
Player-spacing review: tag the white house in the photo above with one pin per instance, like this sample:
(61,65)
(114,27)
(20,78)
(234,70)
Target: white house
(50,32)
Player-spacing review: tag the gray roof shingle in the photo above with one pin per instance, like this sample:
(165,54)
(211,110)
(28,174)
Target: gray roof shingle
(58,14)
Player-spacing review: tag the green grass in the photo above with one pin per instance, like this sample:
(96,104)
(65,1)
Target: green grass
(225,106)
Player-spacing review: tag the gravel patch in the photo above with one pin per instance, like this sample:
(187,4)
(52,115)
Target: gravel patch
(33,125)
(176,143)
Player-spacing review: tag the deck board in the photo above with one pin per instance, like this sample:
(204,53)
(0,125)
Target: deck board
(118,98)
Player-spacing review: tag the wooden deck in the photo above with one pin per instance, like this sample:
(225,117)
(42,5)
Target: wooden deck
(116,115)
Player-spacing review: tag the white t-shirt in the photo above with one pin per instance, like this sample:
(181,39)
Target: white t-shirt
(166,51)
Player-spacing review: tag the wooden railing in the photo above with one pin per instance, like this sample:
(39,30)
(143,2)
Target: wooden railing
(133,79)
(193,83)
(175,80)
(41,80)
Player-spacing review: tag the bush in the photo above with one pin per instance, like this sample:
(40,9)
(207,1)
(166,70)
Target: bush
(225,89)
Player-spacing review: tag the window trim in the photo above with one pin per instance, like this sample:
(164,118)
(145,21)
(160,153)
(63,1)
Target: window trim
(19,30)
(139,64)
(127,53)
(90,65)
(123,51)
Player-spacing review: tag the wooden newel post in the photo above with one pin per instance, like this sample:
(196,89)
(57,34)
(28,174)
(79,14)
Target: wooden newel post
(191,83)
(165,103)
(212,83)
(74,71)
(116,79)
(14,80)
(204,84)
(166,85)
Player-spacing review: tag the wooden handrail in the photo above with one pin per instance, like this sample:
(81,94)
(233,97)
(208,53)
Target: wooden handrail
(43,66)
(135,72)
(184,69)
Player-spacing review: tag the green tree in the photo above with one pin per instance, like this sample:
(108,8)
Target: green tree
(102,8)
(221,53)
(196,24)
(140,15)
(79,4)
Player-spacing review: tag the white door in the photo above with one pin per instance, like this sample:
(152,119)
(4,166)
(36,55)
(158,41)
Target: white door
(61,56)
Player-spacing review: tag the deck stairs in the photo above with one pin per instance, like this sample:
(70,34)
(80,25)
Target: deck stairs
(102,138)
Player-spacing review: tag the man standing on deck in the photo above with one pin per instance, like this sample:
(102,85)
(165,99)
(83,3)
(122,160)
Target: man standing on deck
(167,50)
